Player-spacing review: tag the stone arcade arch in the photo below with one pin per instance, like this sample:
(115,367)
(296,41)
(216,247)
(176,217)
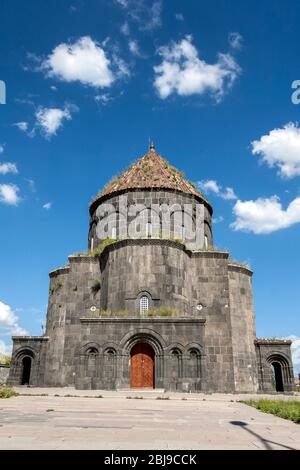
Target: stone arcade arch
(194,363)
(280,372)
(175,365)
(151,350)
(109,364)
(23,363)
(92,354)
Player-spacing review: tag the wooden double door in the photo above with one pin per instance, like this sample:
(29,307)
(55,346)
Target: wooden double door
(142,366)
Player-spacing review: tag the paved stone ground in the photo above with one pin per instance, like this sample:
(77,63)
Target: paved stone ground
(185,421)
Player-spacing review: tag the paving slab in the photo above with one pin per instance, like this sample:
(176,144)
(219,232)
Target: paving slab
(184,421)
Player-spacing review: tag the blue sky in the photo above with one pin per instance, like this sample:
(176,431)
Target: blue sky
(89,82)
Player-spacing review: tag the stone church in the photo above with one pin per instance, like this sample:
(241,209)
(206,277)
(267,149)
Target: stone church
(152,303)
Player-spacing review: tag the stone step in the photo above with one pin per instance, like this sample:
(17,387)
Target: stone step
(141,390)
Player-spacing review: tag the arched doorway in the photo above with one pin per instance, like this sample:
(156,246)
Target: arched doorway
(26,369)
(142,366)
(277,376)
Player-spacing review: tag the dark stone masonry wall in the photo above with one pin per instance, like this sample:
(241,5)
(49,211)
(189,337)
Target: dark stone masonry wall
(113,339)
(276,353)
(160,268)
(210,288)
(67,303)
(34,348)
(173,199)
(242,328)
(207,345)
(211,350)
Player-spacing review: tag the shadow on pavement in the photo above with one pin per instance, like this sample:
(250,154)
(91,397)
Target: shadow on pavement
(266,442)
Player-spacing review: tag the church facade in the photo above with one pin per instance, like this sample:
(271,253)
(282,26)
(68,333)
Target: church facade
(152,303)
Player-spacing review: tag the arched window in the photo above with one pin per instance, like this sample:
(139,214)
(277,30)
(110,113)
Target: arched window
(110,364)
(194,367)
(92,352)
(176,364)
(110,352)
(144,304)
(91,361)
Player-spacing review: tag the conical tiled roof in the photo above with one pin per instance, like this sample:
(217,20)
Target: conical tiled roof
(150,171)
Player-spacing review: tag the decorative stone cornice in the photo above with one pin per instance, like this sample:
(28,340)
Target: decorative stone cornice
(210,254)
(165,242)
(30,338)
(271,341)
(239,268)
(73,259)
(82,259)
(63,270)
(143,320)
(143,242)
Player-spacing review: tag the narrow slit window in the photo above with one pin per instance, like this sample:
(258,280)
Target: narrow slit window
(144,304)
(206,241)
(148,229)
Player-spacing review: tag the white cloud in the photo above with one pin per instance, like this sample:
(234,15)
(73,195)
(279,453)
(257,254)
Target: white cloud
(123,3)
(31,184)
(211,186)
(147,15)
(26,101)
(1,148)
(9,322)
(103,99)
(182,72)
(280,148)
(47,206)
(48,120)
(134,48)
(84,61)
(217,220)
(265,215)
(228,194)
(23,126)
(53,88)
(5,349)
(125,29)
(235,40)
(122,69)
(295,348)
(8,168)
(9,194)
(154,19)
(179,16)
(51,119)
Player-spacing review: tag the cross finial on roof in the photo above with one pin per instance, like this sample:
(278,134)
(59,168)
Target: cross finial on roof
(151,146)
